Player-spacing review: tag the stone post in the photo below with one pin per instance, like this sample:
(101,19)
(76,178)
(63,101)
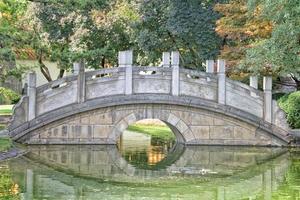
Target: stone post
(31,91)
(267,85)
(254,84)
(210,66)
(76,68)
(80,81)
(221,82)
(166,59)
(175,72)
(126,60)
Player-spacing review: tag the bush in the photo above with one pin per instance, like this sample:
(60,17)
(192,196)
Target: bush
(8,96)
(290,103)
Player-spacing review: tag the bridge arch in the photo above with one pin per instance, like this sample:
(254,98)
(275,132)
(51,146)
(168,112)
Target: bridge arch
(178,126)
(196,123)
(201,108)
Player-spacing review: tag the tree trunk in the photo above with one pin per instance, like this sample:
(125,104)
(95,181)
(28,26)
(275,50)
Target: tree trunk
(44,69)
(61,73)
(103,62)
(297,81)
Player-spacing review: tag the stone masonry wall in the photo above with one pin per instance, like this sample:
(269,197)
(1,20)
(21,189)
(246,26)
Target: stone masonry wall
(190,125)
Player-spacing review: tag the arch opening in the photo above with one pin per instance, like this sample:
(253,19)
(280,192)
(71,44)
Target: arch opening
(147,143)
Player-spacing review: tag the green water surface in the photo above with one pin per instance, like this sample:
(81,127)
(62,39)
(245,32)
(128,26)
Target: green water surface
(141,168)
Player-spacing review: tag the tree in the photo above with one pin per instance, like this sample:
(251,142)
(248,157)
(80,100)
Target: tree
(110,31)
(93,30)
(55,26)
(185,26)
(11,36)
(278,55)
(239,27)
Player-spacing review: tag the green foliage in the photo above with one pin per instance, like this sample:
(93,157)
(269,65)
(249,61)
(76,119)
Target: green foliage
(279,54)
(11,34)
(8,189)
(162,133)
(239,27)
(8,96)
(5,144)
(2,127)
(290,103)
(184,26)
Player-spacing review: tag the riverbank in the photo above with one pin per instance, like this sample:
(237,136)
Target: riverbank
(157,131)
(7,148)
(5,144)
(6,109)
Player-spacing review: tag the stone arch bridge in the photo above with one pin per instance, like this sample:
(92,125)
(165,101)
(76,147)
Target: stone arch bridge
(95,107)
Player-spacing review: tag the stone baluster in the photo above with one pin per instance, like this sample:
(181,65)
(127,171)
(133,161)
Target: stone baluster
(80,81)
(126,60)
(267,86)
(175,72)
(166,59)
(253,84)
(76,68)
(31,91)
(221,82)
(210,66)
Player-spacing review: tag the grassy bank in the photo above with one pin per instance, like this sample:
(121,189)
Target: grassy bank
(290,103)
(5,144)
(6,109)
(162,132)
(2,127)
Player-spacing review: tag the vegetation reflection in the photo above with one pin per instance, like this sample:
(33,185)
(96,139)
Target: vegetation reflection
(9,190)
(146,143)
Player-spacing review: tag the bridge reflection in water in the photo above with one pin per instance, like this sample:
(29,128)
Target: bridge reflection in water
(193,172)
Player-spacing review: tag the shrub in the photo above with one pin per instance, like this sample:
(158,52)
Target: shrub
(290,103)
(8,96)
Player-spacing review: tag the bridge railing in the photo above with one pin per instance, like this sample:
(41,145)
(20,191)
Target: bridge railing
(49,96)
(198,84)
(244,97)
(104,82)
(169,78)
(156,80)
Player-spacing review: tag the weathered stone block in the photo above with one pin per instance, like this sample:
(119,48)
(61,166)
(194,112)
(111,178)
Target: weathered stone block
(102,131)
(221,132)
(101,119)
(201,120)
(183,115)
(243,133)
(121,126)
(173,119)
(200,132)
(130,119)
(85,119)
(181,126)
(188,135)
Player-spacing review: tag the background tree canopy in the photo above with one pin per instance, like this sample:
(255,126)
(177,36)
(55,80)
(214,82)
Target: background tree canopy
(185,26)
(255,36)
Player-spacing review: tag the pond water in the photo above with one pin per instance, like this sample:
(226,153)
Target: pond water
(139,167)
